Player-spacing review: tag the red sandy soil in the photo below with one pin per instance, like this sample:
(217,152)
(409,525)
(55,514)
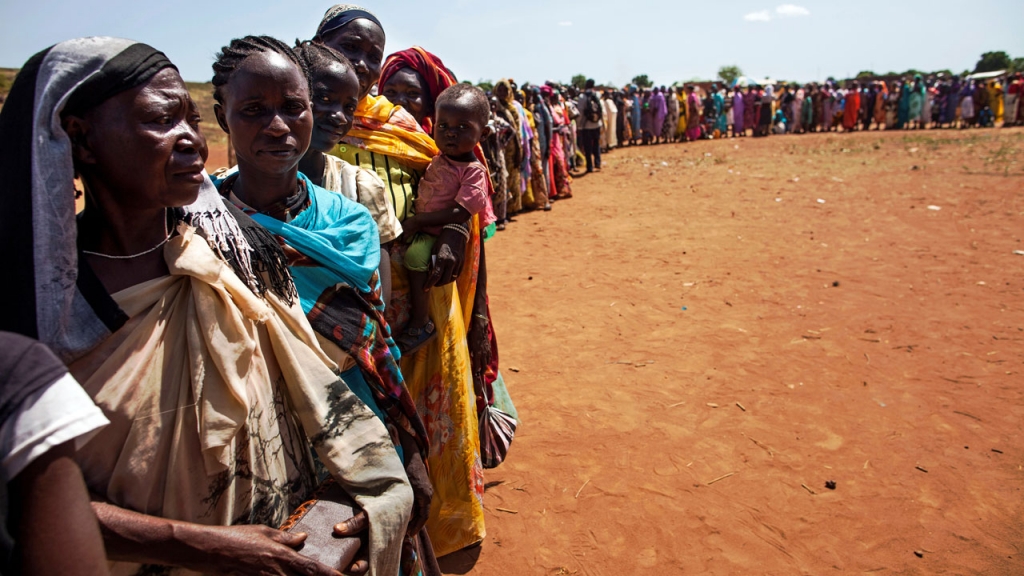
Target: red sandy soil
(693,359)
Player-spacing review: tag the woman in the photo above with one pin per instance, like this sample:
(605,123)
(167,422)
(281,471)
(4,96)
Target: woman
(560,181)
(181,323)
(611,120)
(647,118)
(798,111)
(413,79)
(721,122)
(514,152)
(738,113)
(684,110)
(693,114)
(880,104)
(672,120)
(764,121)
(440,375)
(916,103)
(332,242)
(636,111)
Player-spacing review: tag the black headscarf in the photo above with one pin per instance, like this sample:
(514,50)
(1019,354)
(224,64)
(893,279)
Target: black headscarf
(341,14)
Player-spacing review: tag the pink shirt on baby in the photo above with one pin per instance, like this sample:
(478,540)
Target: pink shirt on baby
(448,183)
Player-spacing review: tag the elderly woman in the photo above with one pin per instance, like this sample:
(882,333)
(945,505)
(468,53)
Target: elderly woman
(178,317)
(386,138)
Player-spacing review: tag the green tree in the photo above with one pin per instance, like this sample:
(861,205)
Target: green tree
(485,85)
(642,81)
(866,74)
(729,74)
(579,81)
(1017,65)
(992,61)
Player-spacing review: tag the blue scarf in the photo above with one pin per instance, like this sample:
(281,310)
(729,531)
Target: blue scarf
(339,234)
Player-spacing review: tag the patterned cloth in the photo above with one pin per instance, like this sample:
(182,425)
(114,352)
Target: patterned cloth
(440,381)
(366,188)
(330,243)
(224,438)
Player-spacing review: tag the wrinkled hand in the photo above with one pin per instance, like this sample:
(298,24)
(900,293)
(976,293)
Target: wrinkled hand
(450,250)
(250,550)
(356,526)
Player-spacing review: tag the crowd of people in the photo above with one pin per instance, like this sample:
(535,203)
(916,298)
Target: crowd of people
(192,360)
(669,114)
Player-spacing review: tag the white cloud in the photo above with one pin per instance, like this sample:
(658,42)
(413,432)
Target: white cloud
(760,16)
(790,10)
(565,23)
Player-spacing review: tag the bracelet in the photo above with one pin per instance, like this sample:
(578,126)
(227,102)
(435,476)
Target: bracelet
(482,317)
(457,227)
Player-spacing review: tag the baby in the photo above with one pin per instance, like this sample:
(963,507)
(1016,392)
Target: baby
(453,190)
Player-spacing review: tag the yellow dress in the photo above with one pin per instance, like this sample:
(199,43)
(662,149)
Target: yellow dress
(684,111)
(439,375)
(996,91)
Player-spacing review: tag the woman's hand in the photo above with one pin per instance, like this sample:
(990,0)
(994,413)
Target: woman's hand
(450,252)
(356,526)
(245,550)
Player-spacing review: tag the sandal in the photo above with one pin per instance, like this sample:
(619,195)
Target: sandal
(414,338)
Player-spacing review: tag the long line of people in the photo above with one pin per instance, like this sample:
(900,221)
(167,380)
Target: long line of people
(315,316)
(670,114)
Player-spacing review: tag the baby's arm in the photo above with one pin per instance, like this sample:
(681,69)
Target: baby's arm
(421,220)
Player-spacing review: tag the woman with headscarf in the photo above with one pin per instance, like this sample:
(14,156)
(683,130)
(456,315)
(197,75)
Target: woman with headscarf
(764,121)
(668,131)
(749,111)
(514,152)
(441,375)
(953,102)
(828,102)
(916,102)
(635,115)
(684,110)
(659,111)
(560,181)
(738,113)
(881,97)
(178,317)
(693,113)
(611,119)
(967,109)
(995,90)
(798,108)
(721,124)
(903,106)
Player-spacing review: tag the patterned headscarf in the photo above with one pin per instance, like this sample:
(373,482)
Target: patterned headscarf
(433,71)
(507,101)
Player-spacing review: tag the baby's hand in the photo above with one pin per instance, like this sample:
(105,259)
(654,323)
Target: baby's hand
(410,226)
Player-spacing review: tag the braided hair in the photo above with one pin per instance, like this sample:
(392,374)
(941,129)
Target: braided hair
(231,57)
(317,57)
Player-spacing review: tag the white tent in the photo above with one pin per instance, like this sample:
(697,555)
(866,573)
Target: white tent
(986,75)
(744,81)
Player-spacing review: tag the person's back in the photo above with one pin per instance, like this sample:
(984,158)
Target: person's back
(589,125)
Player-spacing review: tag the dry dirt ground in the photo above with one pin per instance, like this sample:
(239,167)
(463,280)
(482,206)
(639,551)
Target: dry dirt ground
(709,332)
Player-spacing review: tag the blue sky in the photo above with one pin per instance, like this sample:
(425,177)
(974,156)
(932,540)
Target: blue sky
(537,40)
